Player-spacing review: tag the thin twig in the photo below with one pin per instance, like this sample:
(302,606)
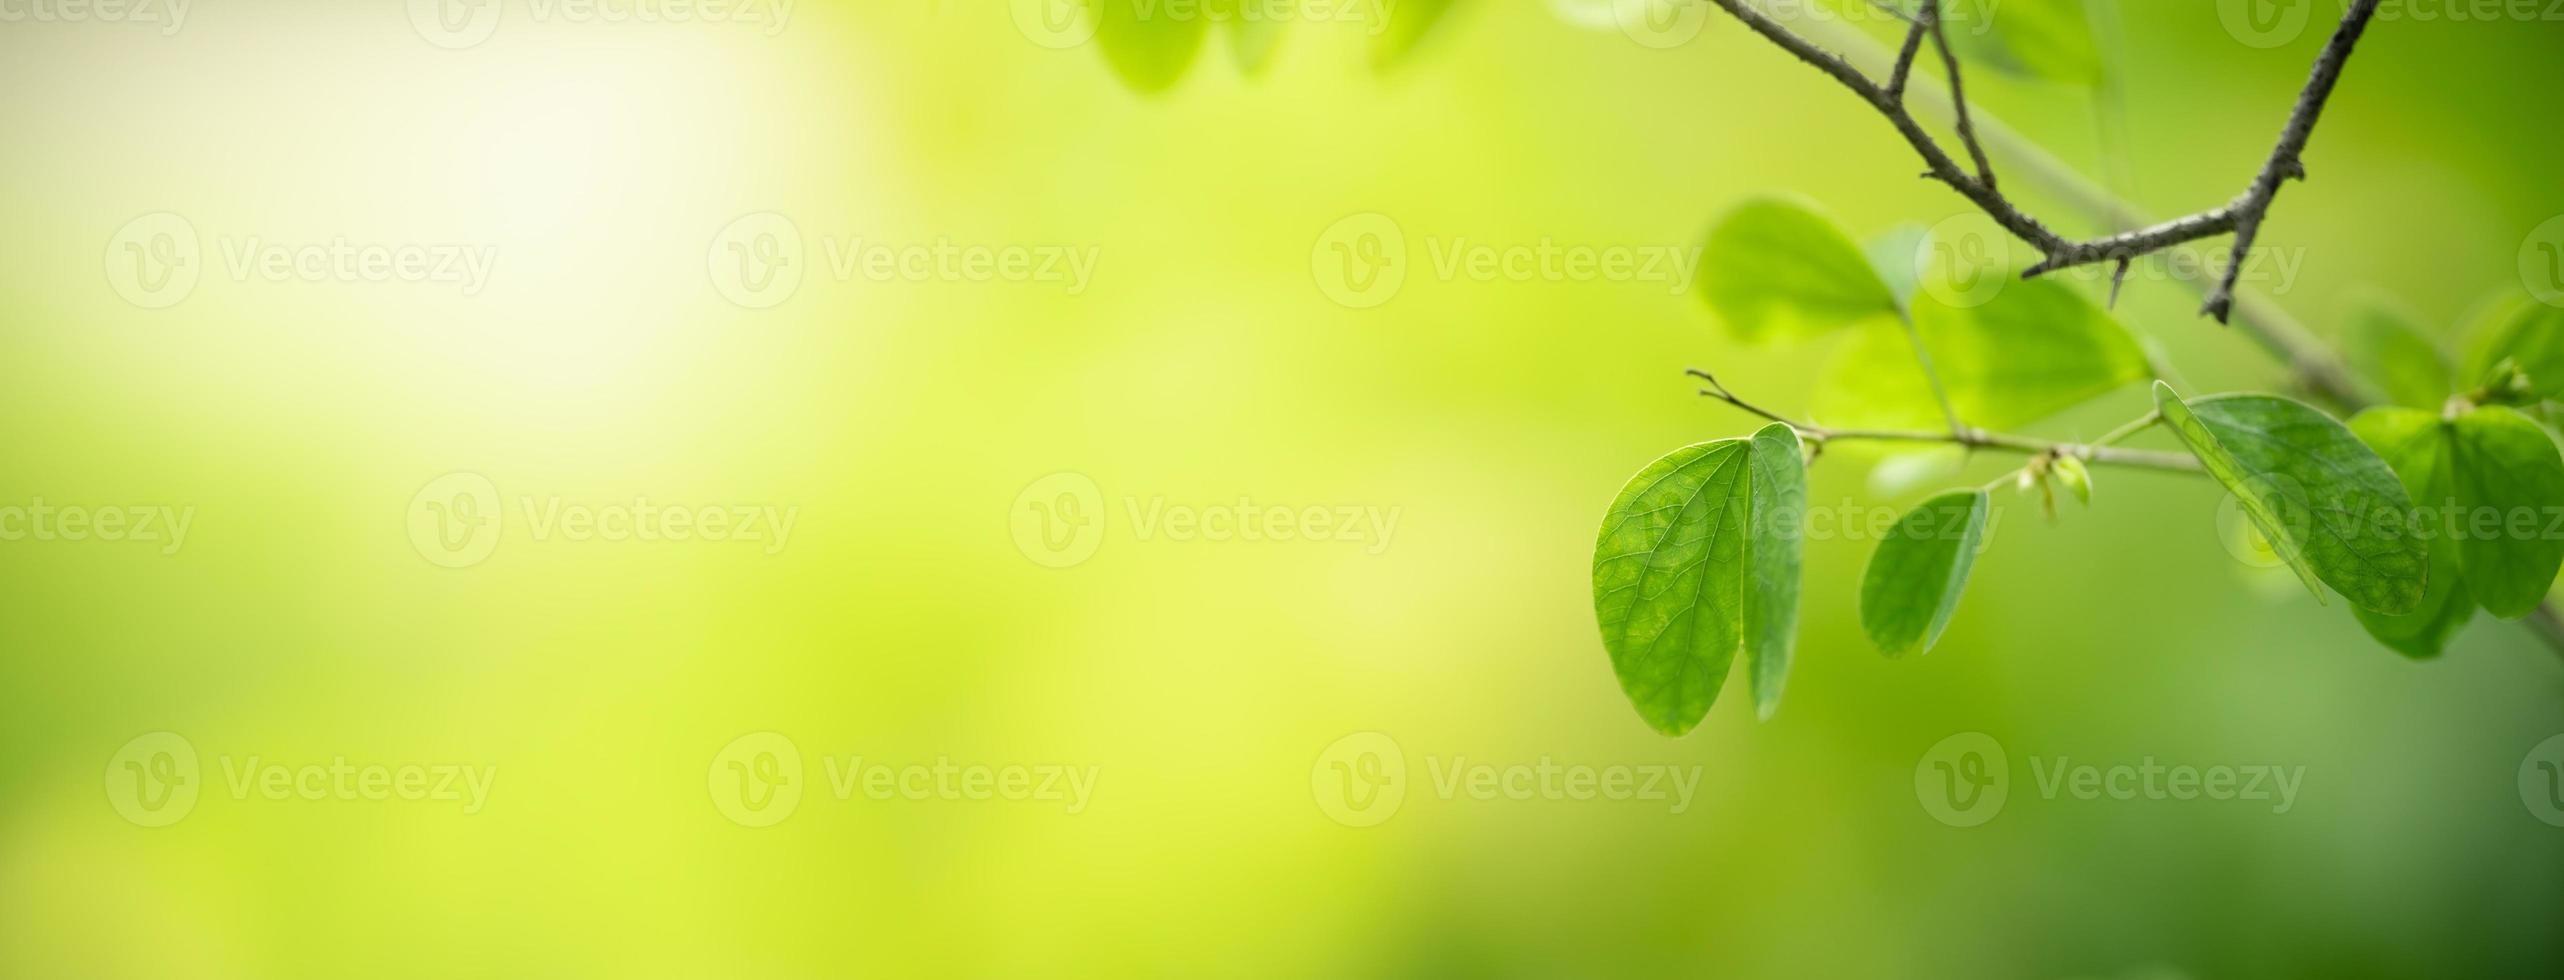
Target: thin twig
(2285,159)
(1958,95)
(1968,437)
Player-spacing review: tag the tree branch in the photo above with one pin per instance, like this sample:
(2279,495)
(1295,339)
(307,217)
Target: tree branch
(2285,159)
(2243,217)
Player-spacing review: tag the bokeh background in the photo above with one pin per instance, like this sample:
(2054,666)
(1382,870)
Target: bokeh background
(904,420)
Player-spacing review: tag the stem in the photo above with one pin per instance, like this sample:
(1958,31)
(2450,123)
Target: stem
(1972,438)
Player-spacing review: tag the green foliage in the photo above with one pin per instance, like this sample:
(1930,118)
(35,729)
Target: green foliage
(2328,505)
(1914,579)
(1691,565)
(1774,268)
(1700,554)
(2383,346)
(2036,349)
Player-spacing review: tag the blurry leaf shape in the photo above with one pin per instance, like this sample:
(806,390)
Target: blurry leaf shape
(2051,40)
(1411,22)
(1772,547)
(2325,501)
(2526,333)
(1146,45)
(1253,30)
(1698,556)
(2415,445)
(2036,349)
(1892,256)
(1774,268)
(2505,467)
(2383,346)
(1915,578)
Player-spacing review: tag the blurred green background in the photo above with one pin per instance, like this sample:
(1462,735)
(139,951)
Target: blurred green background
(909,421)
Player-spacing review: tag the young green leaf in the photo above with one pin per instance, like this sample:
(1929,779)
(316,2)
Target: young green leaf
(2333,510)
(2076,477)
(2506,473)
(1147,48)
(2384,347)
(2415,445)
(2525,334)
(2044,39)
(1669,580)
(2036,349)
(1914,579)
(1774,268)
(1779,499)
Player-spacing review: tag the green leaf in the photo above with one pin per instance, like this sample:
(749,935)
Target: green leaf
(2328,505)
(2383,346)
(2507,474)
(1698,556)
(1774,268)
(1914,579)
(2044,39)
(1772,549)
(1669,580)
(1410,23)
(2415,445)
(2036,349)
(2521,333)
(1147,47)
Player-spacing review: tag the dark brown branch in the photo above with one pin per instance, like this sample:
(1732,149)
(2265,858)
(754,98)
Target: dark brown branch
(2243,217)
(2284,159)
(1958,95)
